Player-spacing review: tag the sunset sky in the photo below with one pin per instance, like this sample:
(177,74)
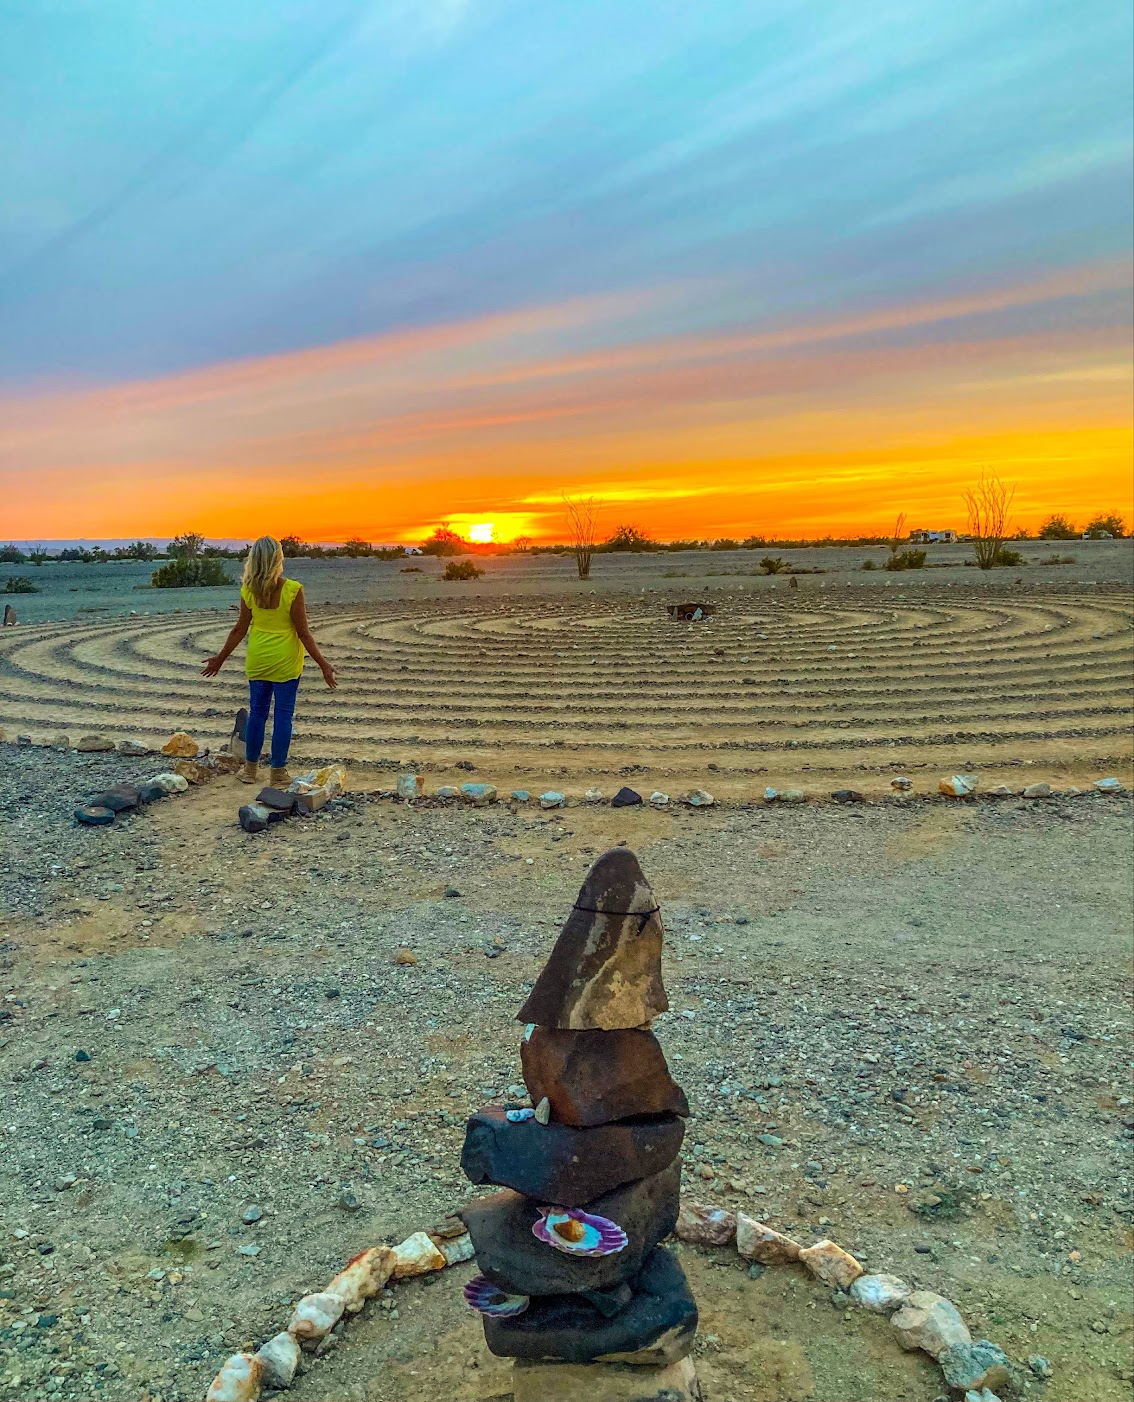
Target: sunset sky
(338,267)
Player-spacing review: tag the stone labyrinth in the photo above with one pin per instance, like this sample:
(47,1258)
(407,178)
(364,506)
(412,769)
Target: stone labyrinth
(578,689)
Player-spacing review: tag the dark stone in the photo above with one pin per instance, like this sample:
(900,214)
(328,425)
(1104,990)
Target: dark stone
(625,798)
(240,725)
(605,969)
(150,793)
(593,1078)
(82,1055)
(117,799)
(278,799)
(93,817)
(656,1327)
(847,796)
(562,1166)
(254,817)
(513,1259)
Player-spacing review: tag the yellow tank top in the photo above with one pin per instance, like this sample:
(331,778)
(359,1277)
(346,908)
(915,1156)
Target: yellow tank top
(275,653)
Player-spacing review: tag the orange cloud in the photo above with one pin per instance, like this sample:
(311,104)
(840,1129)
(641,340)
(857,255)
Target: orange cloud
(831,425)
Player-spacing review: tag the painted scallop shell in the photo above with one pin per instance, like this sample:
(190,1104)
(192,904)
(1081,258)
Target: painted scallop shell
(517,1117)
(579,1233)
(486,1298)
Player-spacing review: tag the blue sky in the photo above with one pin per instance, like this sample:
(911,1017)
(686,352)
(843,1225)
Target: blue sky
(188,185)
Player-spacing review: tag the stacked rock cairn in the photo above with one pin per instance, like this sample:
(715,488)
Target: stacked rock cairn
(573,1284)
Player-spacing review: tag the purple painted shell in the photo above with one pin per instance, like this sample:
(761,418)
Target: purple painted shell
(486,1298)
(579,1233)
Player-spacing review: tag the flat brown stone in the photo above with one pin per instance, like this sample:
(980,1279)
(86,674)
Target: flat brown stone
(604,1382)
(592,1078)
(558,1164)
(516,1261)
(605,969)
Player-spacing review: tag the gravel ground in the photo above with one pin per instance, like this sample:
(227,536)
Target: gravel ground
(903,1026)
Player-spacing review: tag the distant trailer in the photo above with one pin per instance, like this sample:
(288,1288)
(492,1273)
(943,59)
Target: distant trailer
(933,537)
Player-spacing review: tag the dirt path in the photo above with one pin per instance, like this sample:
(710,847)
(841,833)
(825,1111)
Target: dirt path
(929,997)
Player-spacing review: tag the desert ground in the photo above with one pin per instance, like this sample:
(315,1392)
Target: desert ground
(901,1023)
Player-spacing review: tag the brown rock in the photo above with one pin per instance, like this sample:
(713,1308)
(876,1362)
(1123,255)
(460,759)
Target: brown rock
(706,1226)
(405,956)
(604,1382)
(605,969)
(182,744)
(756,1242)
(831,1264)
(592,1078)
(94,744)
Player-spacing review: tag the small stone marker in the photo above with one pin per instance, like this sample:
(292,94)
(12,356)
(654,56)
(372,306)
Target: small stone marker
(10,619)
(551,799)
(625,798)
(410,786)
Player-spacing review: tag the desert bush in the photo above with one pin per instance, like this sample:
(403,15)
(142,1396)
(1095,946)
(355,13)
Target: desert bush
(988,504)
(1057,527)
(630,538)
(445,541)
(463,569)
(869,564)
(906,560)
(725,543)
(12,555)
(190,572)
(20,584)
(772,564)
(582,529)
(1005,559)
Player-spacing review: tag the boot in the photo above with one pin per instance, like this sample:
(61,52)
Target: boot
(280,777)
(250,774)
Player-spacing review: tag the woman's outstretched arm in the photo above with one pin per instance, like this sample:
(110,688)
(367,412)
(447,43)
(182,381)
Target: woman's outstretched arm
(239,628)
(303,628)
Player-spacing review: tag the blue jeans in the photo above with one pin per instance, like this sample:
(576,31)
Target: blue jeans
(260,698)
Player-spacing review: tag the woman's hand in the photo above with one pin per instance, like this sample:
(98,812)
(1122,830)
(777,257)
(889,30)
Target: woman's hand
(330,676)
(212,666)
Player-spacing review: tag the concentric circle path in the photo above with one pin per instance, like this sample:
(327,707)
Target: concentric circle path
(575,689)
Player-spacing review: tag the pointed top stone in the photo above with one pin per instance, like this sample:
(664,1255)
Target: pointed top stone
(605,969)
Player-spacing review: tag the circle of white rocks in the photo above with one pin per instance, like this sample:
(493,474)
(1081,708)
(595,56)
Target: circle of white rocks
(920,1319)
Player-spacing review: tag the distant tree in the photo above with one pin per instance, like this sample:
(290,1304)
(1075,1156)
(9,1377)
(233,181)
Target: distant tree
(988,504)
(629,537)
(12,555)
(581,531)
(755,542)
(725,543)
(190,572)
(137,550)
(356,548)
(522,544)
(1058,527)
(1104,524)
(444,541)
(37,555)
(773,564)
(186,546)
(74,555)
(292,547)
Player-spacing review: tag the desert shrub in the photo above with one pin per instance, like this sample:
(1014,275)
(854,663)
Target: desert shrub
(772,564)
(869,564)
(1057,527)
(629,537)
(20,584)
(411,569)
(190,572)
(906,560)
(725,543)
(445,541)
(1104,524)
(1005,559)
(461,569)
(12,555)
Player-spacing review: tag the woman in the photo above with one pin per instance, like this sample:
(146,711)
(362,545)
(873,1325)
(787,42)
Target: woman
(274,616)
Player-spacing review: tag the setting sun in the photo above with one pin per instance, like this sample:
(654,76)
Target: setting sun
(483,532)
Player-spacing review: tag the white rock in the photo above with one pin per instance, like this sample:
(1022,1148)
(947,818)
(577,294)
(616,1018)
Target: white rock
(238,1380)
(659,799)
(362,1277)
(705,1226)
(593,795)
(1038,791)
(417,1255)
(881,1294)
(1110,785)
(448,791)
(698,798)
(315,1316)
(171,783)
(901,784)
(551,799)
(929,1322)
(279,1358)
(456,1249)
(1001,791)
(959,785)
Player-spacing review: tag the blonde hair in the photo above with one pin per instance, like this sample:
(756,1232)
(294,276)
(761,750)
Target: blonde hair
(263,569)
